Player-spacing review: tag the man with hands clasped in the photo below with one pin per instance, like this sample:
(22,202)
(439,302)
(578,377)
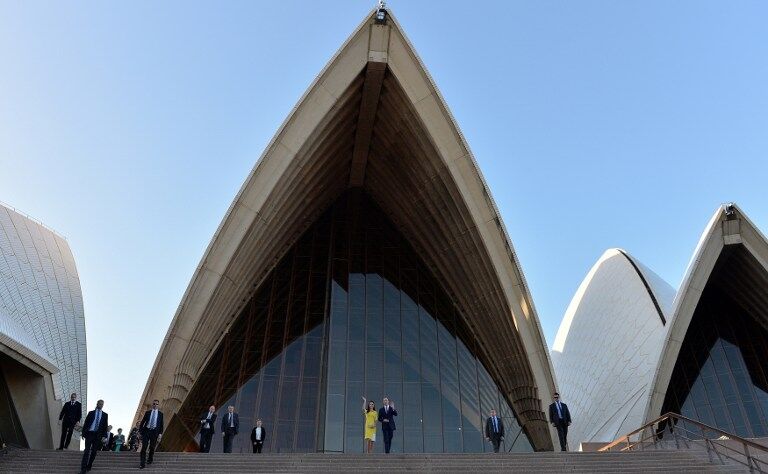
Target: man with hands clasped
(207,424)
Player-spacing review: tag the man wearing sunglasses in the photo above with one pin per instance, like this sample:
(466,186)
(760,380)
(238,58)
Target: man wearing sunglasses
(151,429)
(560,418)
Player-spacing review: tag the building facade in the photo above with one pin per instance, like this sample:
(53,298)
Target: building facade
(42,331)
(699,352)
(363,257)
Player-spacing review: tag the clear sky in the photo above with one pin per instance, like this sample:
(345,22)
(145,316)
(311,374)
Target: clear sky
(129,127)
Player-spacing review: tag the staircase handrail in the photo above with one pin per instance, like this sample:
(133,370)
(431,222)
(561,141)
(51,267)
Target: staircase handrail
(746,458)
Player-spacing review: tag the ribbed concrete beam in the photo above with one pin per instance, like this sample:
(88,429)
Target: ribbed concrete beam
(374,78)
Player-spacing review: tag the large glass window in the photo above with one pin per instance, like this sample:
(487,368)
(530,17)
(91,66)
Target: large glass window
(720,374)
(351,311)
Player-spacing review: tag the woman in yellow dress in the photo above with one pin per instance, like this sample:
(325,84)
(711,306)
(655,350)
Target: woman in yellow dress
(371,416)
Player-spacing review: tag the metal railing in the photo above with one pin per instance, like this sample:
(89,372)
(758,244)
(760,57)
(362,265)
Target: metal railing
(678,431)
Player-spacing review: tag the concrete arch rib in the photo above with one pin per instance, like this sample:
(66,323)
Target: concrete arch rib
(373,119)
(729,230)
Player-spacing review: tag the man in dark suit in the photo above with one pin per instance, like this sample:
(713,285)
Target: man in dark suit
(71,414)
(207,428)
(388,427)
(94,428)
(230,425)
(151,429)
(106,441)
(560,418)
(258,435)
(494,430)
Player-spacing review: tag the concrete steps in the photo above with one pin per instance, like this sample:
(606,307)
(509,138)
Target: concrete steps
(44,462)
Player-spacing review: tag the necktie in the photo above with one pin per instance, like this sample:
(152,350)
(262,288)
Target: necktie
(152,420)
(96,421)
(231,422)
(495,425)
(559,412)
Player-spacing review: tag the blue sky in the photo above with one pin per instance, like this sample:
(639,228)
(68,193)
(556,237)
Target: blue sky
(129,127)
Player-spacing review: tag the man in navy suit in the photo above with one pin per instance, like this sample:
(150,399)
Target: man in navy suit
(494,430)
(151,430)
(230,425)
(560,418)
(71,414)
(386,414)
(94,428)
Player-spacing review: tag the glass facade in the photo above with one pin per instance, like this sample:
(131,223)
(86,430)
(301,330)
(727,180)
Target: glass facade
(720,377)
(351,311)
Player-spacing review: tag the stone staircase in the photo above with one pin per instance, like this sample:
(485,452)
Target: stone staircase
(684,460)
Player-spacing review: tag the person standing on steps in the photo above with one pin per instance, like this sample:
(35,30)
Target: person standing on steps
(494,430)
(119,441)
(369,428)
(151,430)
(94,428)
(230,425)
(207,428)
(388,427)
(258,435)
(106,442)
(70,416)
(560,418)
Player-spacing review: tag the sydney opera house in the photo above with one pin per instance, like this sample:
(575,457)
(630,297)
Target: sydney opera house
(630,348)
(363,256)
(42,331)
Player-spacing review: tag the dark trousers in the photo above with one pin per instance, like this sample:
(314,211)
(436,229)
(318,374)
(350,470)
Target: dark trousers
(92,446)
(205,440)
(257,445)
(229,437)
(496,441)
(148,440)
(387,439)
(562,434)
(66,434)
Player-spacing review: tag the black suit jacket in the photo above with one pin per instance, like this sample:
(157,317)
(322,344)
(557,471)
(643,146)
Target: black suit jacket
(225,422)
(384,416)
(158,422)
(263,434)
(107,446)
(489,432)
(101,431)
(553,418)
(71,413)
(211,422)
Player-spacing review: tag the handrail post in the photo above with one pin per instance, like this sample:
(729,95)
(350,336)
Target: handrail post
(674,433)
(749,458)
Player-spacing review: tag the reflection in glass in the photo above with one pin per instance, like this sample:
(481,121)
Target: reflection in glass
(351,311)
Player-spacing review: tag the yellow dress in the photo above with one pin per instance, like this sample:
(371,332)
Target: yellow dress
(371,418)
